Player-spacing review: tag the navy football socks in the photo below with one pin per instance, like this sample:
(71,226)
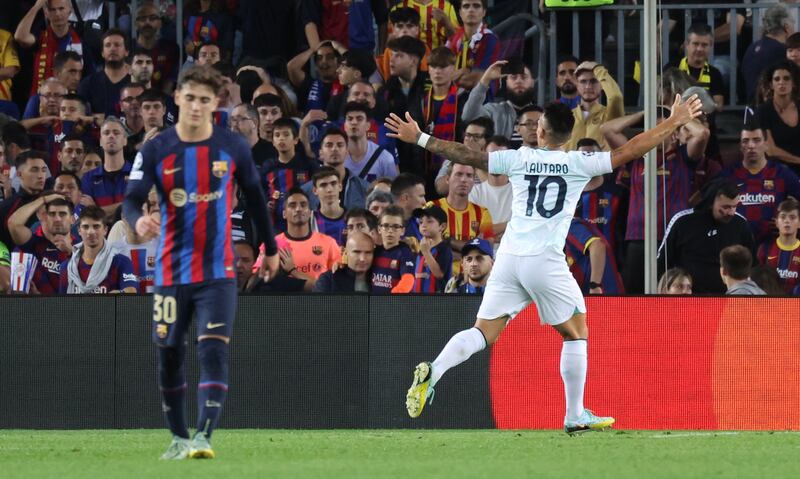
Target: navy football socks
(213,386)
(172,383)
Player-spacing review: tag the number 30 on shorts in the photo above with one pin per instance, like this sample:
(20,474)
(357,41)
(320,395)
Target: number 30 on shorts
(164,308)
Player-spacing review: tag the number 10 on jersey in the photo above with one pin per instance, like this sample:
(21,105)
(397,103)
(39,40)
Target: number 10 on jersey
(537,191)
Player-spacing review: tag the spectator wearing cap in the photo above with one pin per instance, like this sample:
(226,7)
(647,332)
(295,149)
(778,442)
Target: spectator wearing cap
(593,81)
(355,66)
(106,184)
(356,275)
(777,26)
(350,23)
(477,259)
(434,263)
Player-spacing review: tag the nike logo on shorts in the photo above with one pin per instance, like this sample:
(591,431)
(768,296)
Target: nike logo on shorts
(214,325)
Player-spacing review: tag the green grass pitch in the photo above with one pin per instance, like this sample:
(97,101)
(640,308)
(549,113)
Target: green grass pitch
(407,454)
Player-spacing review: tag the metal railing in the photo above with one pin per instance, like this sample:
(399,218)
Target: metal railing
(623,15)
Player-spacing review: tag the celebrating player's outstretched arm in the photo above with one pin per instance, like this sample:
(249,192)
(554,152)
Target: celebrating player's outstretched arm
(682,113)
(409,132)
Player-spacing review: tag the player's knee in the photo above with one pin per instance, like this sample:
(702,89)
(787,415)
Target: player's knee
(171,358)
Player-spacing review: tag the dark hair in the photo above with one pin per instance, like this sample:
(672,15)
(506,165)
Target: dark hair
(404,15)
(393,210)
(559,120)
(484,122)
(793,40)
(73,136)
(736,260)
(372,220)
(60,202)
(727,188)
(329,44)
(114,32)
(355,106)
(201,75)
(284,122)
(26,156)
(92,212)
(408,45)
(405,181)
(587,142)
(441,57)
(324,172)
(71,175)
(499,140)
(567,58)
(295,190)
(530,108)
(765,79)
(361,60)
(152,95)
(139,51)
(752,124)
(225,69)
(789,204)
(74,97)
(333,131)
(268,99)
(63,57)
(768,279)
(700,29)
(15,133)
(244,242)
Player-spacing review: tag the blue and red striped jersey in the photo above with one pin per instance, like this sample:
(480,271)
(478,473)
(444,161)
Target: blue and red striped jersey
(760,194)
(48,271)
(336,228)
(389,265)
(195,188)
(279,178)
(604,207)
(106,188)
(424,282)
(580,237)
(786,262)
(674,185)
(120,275)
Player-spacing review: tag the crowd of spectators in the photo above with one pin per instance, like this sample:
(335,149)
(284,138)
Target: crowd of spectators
(308,83)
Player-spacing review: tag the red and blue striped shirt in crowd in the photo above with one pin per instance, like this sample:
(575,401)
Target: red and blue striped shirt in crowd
(604,207)
(389,265)
(46,277)
(476,52)
(424,282)
(581,235)
(336,228)
(674,172)
(785,260)
(106,188)
(279,178)
(120,275)
(195,187)
(760,194)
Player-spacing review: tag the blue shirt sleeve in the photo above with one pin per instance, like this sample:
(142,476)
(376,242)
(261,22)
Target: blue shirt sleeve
(140,181)
(126,278)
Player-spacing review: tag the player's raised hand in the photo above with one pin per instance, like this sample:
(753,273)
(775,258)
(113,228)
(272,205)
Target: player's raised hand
(686,111)
(269,267)
(405,130)
(148,227)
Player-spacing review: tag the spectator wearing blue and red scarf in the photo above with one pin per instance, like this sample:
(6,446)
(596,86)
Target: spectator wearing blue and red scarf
(475,46)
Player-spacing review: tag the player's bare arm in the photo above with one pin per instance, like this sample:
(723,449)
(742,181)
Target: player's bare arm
(408,131)
(682,113)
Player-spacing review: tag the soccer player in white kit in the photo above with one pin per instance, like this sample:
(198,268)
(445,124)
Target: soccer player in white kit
(546,184)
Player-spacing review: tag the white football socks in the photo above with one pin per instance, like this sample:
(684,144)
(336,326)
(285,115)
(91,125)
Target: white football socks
(573,372)
(460,347)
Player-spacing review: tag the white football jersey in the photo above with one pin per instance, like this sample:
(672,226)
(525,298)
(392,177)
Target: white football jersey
(546,187)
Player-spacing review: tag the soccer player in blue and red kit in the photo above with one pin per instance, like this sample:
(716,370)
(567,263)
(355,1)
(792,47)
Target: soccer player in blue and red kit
(591,260)
(783,253)
(193,166)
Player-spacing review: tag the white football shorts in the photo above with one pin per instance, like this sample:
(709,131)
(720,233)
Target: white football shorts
(545,279)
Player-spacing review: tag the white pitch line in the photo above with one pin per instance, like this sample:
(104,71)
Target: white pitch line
(695,434)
